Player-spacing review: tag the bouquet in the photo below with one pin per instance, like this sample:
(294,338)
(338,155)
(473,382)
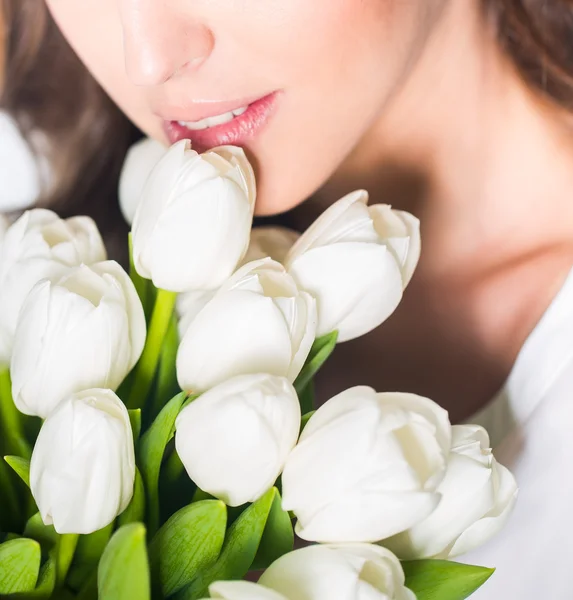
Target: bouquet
(159,426)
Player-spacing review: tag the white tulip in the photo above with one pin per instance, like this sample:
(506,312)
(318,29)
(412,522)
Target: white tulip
(258,322)
(83,465)
(270,241)
(40,245)
(189,304)
(140,160)
(234,439)
(367,466)
(192,226)
(85,330)
(356,261)
(349,572)
(242,590)
(478,495)
(266,242)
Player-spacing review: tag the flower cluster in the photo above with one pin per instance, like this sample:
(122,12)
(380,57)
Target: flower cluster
(184,430)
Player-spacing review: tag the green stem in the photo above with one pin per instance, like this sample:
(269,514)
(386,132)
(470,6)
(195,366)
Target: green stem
(67,544)
(10,419)
(147,365)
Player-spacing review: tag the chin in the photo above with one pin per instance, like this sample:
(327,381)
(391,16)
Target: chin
(276,199)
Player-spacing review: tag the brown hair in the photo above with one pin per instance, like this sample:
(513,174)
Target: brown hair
(47,89)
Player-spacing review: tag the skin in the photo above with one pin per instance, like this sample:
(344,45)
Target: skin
(410,99)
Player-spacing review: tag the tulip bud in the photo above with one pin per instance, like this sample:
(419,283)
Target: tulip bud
(192,226)
(273,242)
(39,245)
(478,495)
(85,330)
(356,261)
(349,572)
(140,160)
(258,322)
(189,304)
(234,439)
(83,465)
(242,590)
(367,466)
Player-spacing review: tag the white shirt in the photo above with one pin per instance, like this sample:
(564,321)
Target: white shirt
(531,427)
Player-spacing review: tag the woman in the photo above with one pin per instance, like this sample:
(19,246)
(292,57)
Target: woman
(456,110)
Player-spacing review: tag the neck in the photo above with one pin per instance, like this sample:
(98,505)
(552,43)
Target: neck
(488,168)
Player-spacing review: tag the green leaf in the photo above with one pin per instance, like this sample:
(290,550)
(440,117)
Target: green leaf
(444,579)
(320,351)
(167,384)
(135,420)
(278,537)
(123,572)
(45,535)
(135,511)
(239,550)
(21,466)
(152,448)
(19,565)
(10,505)
(188,543)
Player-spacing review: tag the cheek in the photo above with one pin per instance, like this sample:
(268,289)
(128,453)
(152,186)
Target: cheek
(93,30)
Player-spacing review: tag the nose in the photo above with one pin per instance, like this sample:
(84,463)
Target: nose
(161,41)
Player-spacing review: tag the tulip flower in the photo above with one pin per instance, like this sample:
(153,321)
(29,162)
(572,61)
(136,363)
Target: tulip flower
(83,465)
(356,261)
(189,305)
(140,160)
(242,590)
(85,330)
(367,466)
(349,572)
(270,241)
(234,439)
(478,495)
(39,245)
(192,226)
(266,242)
(258,322)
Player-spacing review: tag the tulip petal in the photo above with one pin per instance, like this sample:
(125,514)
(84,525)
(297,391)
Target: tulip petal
(242,590)
(368,517)
(236,333)
(83,465)
(357,286)
(197,243)
(466,497)
(349,572)
(326,220)
(505,490)
(401,231)
(235,438)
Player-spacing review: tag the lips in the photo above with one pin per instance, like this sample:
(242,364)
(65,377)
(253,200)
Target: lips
(236,126)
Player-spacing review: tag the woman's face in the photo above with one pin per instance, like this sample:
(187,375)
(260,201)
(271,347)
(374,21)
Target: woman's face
(313,75)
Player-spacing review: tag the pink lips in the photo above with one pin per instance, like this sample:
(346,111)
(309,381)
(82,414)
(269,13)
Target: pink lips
(236,132)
